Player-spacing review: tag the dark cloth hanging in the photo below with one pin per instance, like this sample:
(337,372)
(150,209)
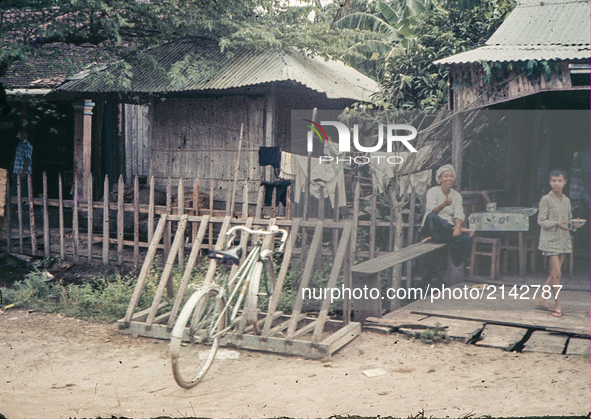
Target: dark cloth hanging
(281,187)
(441,231)
(270,156)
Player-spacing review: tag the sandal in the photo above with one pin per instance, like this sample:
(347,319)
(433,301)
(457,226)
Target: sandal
(557,313)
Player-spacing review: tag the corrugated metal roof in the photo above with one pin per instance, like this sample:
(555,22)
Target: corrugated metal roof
(536,30)
(519,53)
(245,68)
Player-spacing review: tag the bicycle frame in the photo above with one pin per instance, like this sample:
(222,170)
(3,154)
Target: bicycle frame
(251,267)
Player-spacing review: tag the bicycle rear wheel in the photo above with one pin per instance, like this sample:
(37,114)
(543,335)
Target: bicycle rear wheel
(192,348)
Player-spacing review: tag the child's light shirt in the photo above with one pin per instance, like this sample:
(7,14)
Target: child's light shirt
(553,210)
(435,197)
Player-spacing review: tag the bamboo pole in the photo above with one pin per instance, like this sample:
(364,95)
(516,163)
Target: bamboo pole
(258,214)
(410,237)
(148,261)
(195,224)
(19,211)
(236,167)
(136,221)
(106,220)
(8,214)
(356,198)
(61,218)
(90,217)
(165,279)
(120,219)
(372,225)
(195,249)
(75,232)
(46,243)
(210,237)
(245,200)
(181,208)
(167,230)
(32,216)
(151,211)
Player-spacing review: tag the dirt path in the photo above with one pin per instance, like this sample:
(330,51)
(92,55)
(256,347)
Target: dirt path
(56,367)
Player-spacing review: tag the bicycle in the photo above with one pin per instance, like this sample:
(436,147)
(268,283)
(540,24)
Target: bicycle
(212,310)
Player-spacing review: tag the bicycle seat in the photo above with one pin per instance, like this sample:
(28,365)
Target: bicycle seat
(230,256)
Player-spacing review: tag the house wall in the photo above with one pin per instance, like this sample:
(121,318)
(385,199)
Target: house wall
(136,132)
(470,90)
(198,137)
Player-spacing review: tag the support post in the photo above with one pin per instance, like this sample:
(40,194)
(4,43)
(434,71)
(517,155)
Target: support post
(82,144)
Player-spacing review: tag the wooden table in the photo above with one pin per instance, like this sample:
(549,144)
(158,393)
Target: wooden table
(505,219)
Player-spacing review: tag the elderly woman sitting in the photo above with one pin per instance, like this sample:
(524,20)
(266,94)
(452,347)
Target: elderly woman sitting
(444,215)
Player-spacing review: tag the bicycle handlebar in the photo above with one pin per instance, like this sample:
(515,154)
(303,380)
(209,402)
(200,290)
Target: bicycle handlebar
(273,230)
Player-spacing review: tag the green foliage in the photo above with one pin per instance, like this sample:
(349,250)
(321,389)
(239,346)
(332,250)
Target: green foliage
(102,298)
(434,334)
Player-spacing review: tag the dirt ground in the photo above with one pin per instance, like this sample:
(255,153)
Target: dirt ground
(57,367)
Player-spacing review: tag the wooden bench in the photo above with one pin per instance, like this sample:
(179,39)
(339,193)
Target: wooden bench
(366,276)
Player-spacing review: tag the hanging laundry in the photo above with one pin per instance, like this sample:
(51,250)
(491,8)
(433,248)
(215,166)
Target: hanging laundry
(287,170)
(327,175)
(280,187)
(270,156)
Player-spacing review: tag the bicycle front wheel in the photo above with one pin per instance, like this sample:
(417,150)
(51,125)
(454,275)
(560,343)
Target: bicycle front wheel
(192,346)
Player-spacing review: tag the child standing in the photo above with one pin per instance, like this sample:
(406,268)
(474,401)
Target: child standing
(555,240)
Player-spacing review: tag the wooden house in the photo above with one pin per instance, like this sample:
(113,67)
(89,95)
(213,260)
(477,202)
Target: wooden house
(535,67)
(189,126)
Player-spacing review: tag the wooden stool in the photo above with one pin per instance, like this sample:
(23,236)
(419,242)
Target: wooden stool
(492,248)
(530,242)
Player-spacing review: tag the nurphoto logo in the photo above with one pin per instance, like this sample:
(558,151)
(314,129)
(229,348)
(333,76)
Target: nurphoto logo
(344,142)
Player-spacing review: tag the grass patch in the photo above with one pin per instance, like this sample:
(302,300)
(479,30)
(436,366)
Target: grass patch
(434,334)
(100,298)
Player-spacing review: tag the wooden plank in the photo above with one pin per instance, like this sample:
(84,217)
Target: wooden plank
(195,224)
(411,233)
(210,242)
(316,242)
(332,281)
(356,199)
(383,262)
(75,231)
(151,211)
(260,198)
(280,280)
(167,230)
(144,272)
(195,249)
(89,218)
(578,346)
(545,342)
(372,226)
(19,211)
(32,216)
(164,279)
(141,316)
(281,327)
(397,319)
(136,221)
(503,337)
(46,244)
(181,211)
(61,217)
(8,215)
(106,220)
(245,200)
(236,167)
(120,219)
(342,336)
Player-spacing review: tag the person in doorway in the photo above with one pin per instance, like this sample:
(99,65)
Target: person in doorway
(555,239)
(444,215)
(22,165)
